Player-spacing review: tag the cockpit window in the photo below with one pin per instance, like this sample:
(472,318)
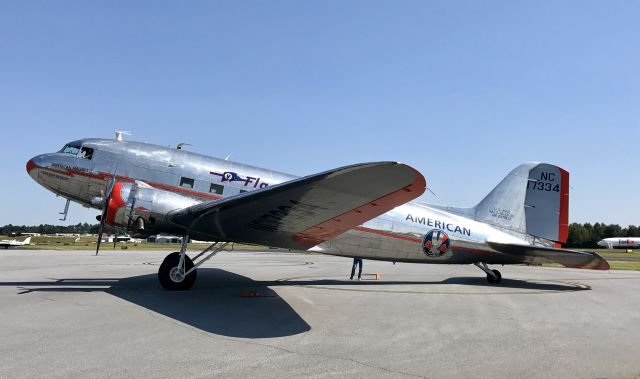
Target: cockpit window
(78,151)
(70,149)
(86,153)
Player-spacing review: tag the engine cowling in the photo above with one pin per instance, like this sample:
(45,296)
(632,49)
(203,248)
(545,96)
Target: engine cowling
(141,209)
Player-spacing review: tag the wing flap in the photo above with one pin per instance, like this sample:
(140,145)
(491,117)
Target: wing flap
(305,212)
(542,254)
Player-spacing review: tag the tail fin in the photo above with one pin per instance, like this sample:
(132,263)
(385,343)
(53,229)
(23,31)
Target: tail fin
(533,199)
(27,240)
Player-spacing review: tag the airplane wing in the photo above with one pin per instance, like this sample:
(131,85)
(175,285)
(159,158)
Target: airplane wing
(305,212)
(541,254)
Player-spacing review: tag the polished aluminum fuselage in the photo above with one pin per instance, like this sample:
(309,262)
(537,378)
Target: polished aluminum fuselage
(397,235)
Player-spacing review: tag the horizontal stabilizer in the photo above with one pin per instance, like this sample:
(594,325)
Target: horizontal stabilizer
(543,254)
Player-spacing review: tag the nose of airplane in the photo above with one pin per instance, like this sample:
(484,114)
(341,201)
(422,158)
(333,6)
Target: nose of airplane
(33,164)
(30,166)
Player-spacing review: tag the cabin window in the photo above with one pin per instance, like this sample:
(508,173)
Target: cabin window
(243,191)
(70,149)
(186,182)
(86,153)
(216,188)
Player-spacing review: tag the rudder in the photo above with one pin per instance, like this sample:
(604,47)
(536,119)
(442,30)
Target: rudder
(547,203)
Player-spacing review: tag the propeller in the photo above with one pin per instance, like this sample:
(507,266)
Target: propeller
(105,209)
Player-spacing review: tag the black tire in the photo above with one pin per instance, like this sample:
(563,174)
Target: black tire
(494,280)
(164,271)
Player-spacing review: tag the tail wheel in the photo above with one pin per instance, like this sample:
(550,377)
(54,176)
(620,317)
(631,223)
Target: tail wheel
(494,279)
(173,279)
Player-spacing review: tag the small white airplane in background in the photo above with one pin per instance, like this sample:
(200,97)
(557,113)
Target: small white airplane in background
(11,243)
(620,242)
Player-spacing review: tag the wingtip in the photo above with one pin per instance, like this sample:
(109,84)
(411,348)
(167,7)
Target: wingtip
(604,265)
(421,181)
(598,263)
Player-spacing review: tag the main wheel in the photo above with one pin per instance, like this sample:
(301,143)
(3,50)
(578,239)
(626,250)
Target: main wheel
(494,280)
(173,280)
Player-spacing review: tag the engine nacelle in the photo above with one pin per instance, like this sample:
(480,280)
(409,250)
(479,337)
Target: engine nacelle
(141,209)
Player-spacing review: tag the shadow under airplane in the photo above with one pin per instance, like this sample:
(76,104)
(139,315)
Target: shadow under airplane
(214,304)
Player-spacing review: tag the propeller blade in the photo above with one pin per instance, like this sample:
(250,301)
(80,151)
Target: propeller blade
(99,240)
(105,208)
(101,228)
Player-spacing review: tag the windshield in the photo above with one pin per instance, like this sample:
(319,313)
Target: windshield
(71,149)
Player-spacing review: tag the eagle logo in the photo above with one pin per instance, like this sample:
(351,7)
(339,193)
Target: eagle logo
(229,176)
(435,243)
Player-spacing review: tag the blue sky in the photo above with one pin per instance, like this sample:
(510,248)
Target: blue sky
(462,90)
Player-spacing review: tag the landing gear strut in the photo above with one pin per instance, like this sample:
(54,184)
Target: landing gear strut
(178,272)
(493,276)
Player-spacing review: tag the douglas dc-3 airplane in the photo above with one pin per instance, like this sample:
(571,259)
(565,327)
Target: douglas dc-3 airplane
(363,210)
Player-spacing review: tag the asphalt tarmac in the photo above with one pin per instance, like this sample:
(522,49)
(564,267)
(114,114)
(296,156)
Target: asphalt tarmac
(71,314)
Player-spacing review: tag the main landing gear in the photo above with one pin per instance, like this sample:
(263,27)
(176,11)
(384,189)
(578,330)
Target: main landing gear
(493,276)
(178,272)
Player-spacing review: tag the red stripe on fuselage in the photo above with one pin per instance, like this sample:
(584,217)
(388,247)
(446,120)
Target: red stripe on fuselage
(473,251)
(419,241)
(387,234)
(105,176)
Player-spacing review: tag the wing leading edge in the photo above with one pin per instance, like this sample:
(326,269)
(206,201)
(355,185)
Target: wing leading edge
(305,212)
(541,254)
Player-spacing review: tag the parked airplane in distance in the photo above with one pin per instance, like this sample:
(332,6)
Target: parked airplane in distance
(620,242)
(363,210)
(12,243)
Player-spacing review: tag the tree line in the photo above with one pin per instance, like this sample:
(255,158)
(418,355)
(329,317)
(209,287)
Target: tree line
(79,228)
(580,235)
